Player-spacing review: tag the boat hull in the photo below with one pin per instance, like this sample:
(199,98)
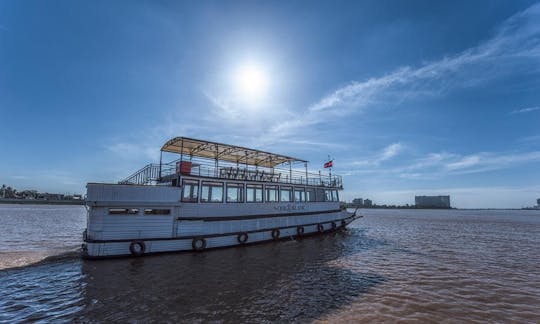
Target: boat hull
(154,220)
(97,249)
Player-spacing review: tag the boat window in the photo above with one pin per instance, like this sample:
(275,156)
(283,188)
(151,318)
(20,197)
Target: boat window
(285,194)
(310,195)
(320,195)
(328,195)
(335,196)
(235,192)
(123,211)
(190,190)
(299,194)
(254,193)
(153,211)
(271,193)
(212,192)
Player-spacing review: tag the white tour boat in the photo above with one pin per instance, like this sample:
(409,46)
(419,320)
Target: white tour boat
(214,195)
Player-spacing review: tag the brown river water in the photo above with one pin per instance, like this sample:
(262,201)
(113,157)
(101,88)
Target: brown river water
(434,266)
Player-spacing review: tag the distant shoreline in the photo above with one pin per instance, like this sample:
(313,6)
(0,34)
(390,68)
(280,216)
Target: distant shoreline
(81,202)
(40,202)
(453,208)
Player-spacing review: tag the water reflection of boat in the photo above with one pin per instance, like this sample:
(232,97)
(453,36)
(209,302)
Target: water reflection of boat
(214,195)
(296,281)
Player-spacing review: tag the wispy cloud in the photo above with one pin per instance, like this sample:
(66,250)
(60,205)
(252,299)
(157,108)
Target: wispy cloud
(513,49)
(483,162)
(435,166)
(454,164)
(524,110)
(391,151)
(385,154)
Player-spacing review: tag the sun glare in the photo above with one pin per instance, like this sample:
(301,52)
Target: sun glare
(251,82)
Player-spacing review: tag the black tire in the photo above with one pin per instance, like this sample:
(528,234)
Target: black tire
(334,225)
(300,230)
(198,244)
(275,233)
(242,238)
(137,248)
(320,228)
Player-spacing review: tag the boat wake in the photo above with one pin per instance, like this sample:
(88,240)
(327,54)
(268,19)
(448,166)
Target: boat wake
(18,259)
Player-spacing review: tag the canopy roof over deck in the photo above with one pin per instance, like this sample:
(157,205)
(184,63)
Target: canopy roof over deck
(225,152)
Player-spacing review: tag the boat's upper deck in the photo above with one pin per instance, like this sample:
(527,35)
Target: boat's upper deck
(215,160)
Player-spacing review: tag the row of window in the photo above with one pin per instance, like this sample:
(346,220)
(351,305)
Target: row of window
(133,211)
(212,191)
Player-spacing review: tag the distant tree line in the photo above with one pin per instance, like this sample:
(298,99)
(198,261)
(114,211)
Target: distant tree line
(7,192)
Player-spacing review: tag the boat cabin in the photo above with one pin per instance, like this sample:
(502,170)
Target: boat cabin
(211,172)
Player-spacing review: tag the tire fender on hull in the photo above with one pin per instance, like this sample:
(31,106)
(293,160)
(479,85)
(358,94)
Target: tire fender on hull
(198,244)
(242,237)
(137,248)
(275,233)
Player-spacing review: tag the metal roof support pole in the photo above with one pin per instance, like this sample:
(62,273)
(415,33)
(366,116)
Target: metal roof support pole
(216,173)
(290,171)
(305,165)
(181,150)
(245,172)
(181,155)
(160,159)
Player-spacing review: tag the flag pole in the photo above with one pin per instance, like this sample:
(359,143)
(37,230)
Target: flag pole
(330,168)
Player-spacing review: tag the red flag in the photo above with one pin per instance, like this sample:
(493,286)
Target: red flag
(328,164)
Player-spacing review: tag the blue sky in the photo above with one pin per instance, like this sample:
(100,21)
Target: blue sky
(415,97)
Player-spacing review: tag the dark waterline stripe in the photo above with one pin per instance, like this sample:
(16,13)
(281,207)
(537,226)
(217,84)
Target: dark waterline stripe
(228,218)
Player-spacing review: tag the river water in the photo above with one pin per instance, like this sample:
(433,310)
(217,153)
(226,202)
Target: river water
(410,265)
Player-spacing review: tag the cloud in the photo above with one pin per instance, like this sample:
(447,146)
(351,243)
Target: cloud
(435,166)
(385,154)
(391,151)
(483,162)
(438,165)
(513,49)
(464,163)
(524,110)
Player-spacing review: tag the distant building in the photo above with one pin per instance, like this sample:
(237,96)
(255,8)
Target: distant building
(368,203)
(358,202)
(432,201)
(538,202)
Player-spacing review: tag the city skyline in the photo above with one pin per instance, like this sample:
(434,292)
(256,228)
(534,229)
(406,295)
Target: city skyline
(408,99)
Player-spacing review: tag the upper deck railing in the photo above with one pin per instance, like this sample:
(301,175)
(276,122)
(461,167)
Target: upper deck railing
(223,161)
(150,174)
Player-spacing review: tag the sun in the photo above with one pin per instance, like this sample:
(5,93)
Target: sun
(251,82)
